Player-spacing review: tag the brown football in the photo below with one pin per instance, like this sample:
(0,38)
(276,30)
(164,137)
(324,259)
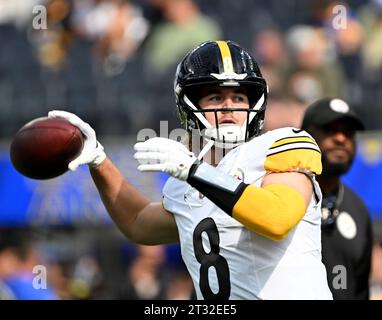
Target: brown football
(43,148)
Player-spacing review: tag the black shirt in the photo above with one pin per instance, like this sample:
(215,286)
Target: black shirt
(346,245)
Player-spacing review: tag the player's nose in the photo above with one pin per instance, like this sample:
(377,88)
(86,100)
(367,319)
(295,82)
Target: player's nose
(340,136)
(228,103)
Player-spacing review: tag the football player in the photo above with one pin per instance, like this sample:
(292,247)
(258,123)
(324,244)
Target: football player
(249,224)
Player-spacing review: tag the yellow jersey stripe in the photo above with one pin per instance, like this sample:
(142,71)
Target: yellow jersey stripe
(226,56)
(292,159)
(291,149)
(290,140)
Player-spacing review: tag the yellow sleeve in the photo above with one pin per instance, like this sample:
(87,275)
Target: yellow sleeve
(274,210)
(271,211)
(295,153)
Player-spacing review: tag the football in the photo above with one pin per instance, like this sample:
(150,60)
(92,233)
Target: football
(43,148)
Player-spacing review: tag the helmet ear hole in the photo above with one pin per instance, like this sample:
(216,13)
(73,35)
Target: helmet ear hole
(194,93)
(254,94)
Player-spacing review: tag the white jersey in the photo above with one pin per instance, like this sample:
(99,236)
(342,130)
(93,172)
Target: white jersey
(227,260)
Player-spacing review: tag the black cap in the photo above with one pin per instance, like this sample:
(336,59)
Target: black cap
(325,111)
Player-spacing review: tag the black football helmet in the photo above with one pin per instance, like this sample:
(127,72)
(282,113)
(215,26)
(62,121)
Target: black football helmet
(220,63)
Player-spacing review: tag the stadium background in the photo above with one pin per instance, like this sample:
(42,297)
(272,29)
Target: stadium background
(112,63)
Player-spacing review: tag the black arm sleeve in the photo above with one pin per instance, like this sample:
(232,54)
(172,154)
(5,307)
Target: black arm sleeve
(221,188)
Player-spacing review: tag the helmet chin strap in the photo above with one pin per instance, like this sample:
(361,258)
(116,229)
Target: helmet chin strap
(228,135)
(226,131)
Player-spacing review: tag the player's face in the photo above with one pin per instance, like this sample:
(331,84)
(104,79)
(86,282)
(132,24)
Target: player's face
(224,98)
(337,144)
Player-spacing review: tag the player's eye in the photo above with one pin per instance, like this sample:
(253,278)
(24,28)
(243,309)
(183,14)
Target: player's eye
(215,98)
(240,98)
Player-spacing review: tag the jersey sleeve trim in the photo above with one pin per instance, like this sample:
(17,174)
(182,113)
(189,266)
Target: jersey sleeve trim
(294,159)
(294,138)
(290,143)
(301,147)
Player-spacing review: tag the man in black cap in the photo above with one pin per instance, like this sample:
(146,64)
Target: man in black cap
(346,225)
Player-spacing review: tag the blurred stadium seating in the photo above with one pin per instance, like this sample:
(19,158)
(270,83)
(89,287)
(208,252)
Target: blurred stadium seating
(29,88)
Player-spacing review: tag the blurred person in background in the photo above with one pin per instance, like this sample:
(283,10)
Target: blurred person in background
(371,19)
(85,279)
(18,258)
(347,41)
(53,42)
(346,225)
(146,275)
(153,272)
(122,37)
(118,28)
(59,278)
(273,56)
(270,49)
(376,273)
(180,286)
(183,28)
(283,112)
(8,263)
(313,72)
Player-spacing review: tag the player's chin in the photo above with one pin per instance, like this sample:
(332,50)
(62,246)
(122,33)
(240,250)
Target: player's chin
(336,166)
(339,156)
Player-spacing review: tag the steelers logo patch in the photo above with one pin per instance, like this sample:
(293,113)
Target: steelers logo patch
(346,225)
(339,105)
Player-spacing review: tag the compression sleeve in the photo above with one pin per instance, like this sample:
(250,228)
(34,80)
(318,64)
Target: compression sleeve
(271,211)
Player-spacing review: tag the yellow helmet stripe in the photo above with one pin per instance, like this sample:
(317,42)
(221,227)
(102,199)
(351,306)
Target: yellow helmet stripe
(226,56)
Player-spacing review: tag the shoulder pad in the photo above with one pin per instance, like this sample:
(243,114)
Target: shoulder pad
(293,149)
